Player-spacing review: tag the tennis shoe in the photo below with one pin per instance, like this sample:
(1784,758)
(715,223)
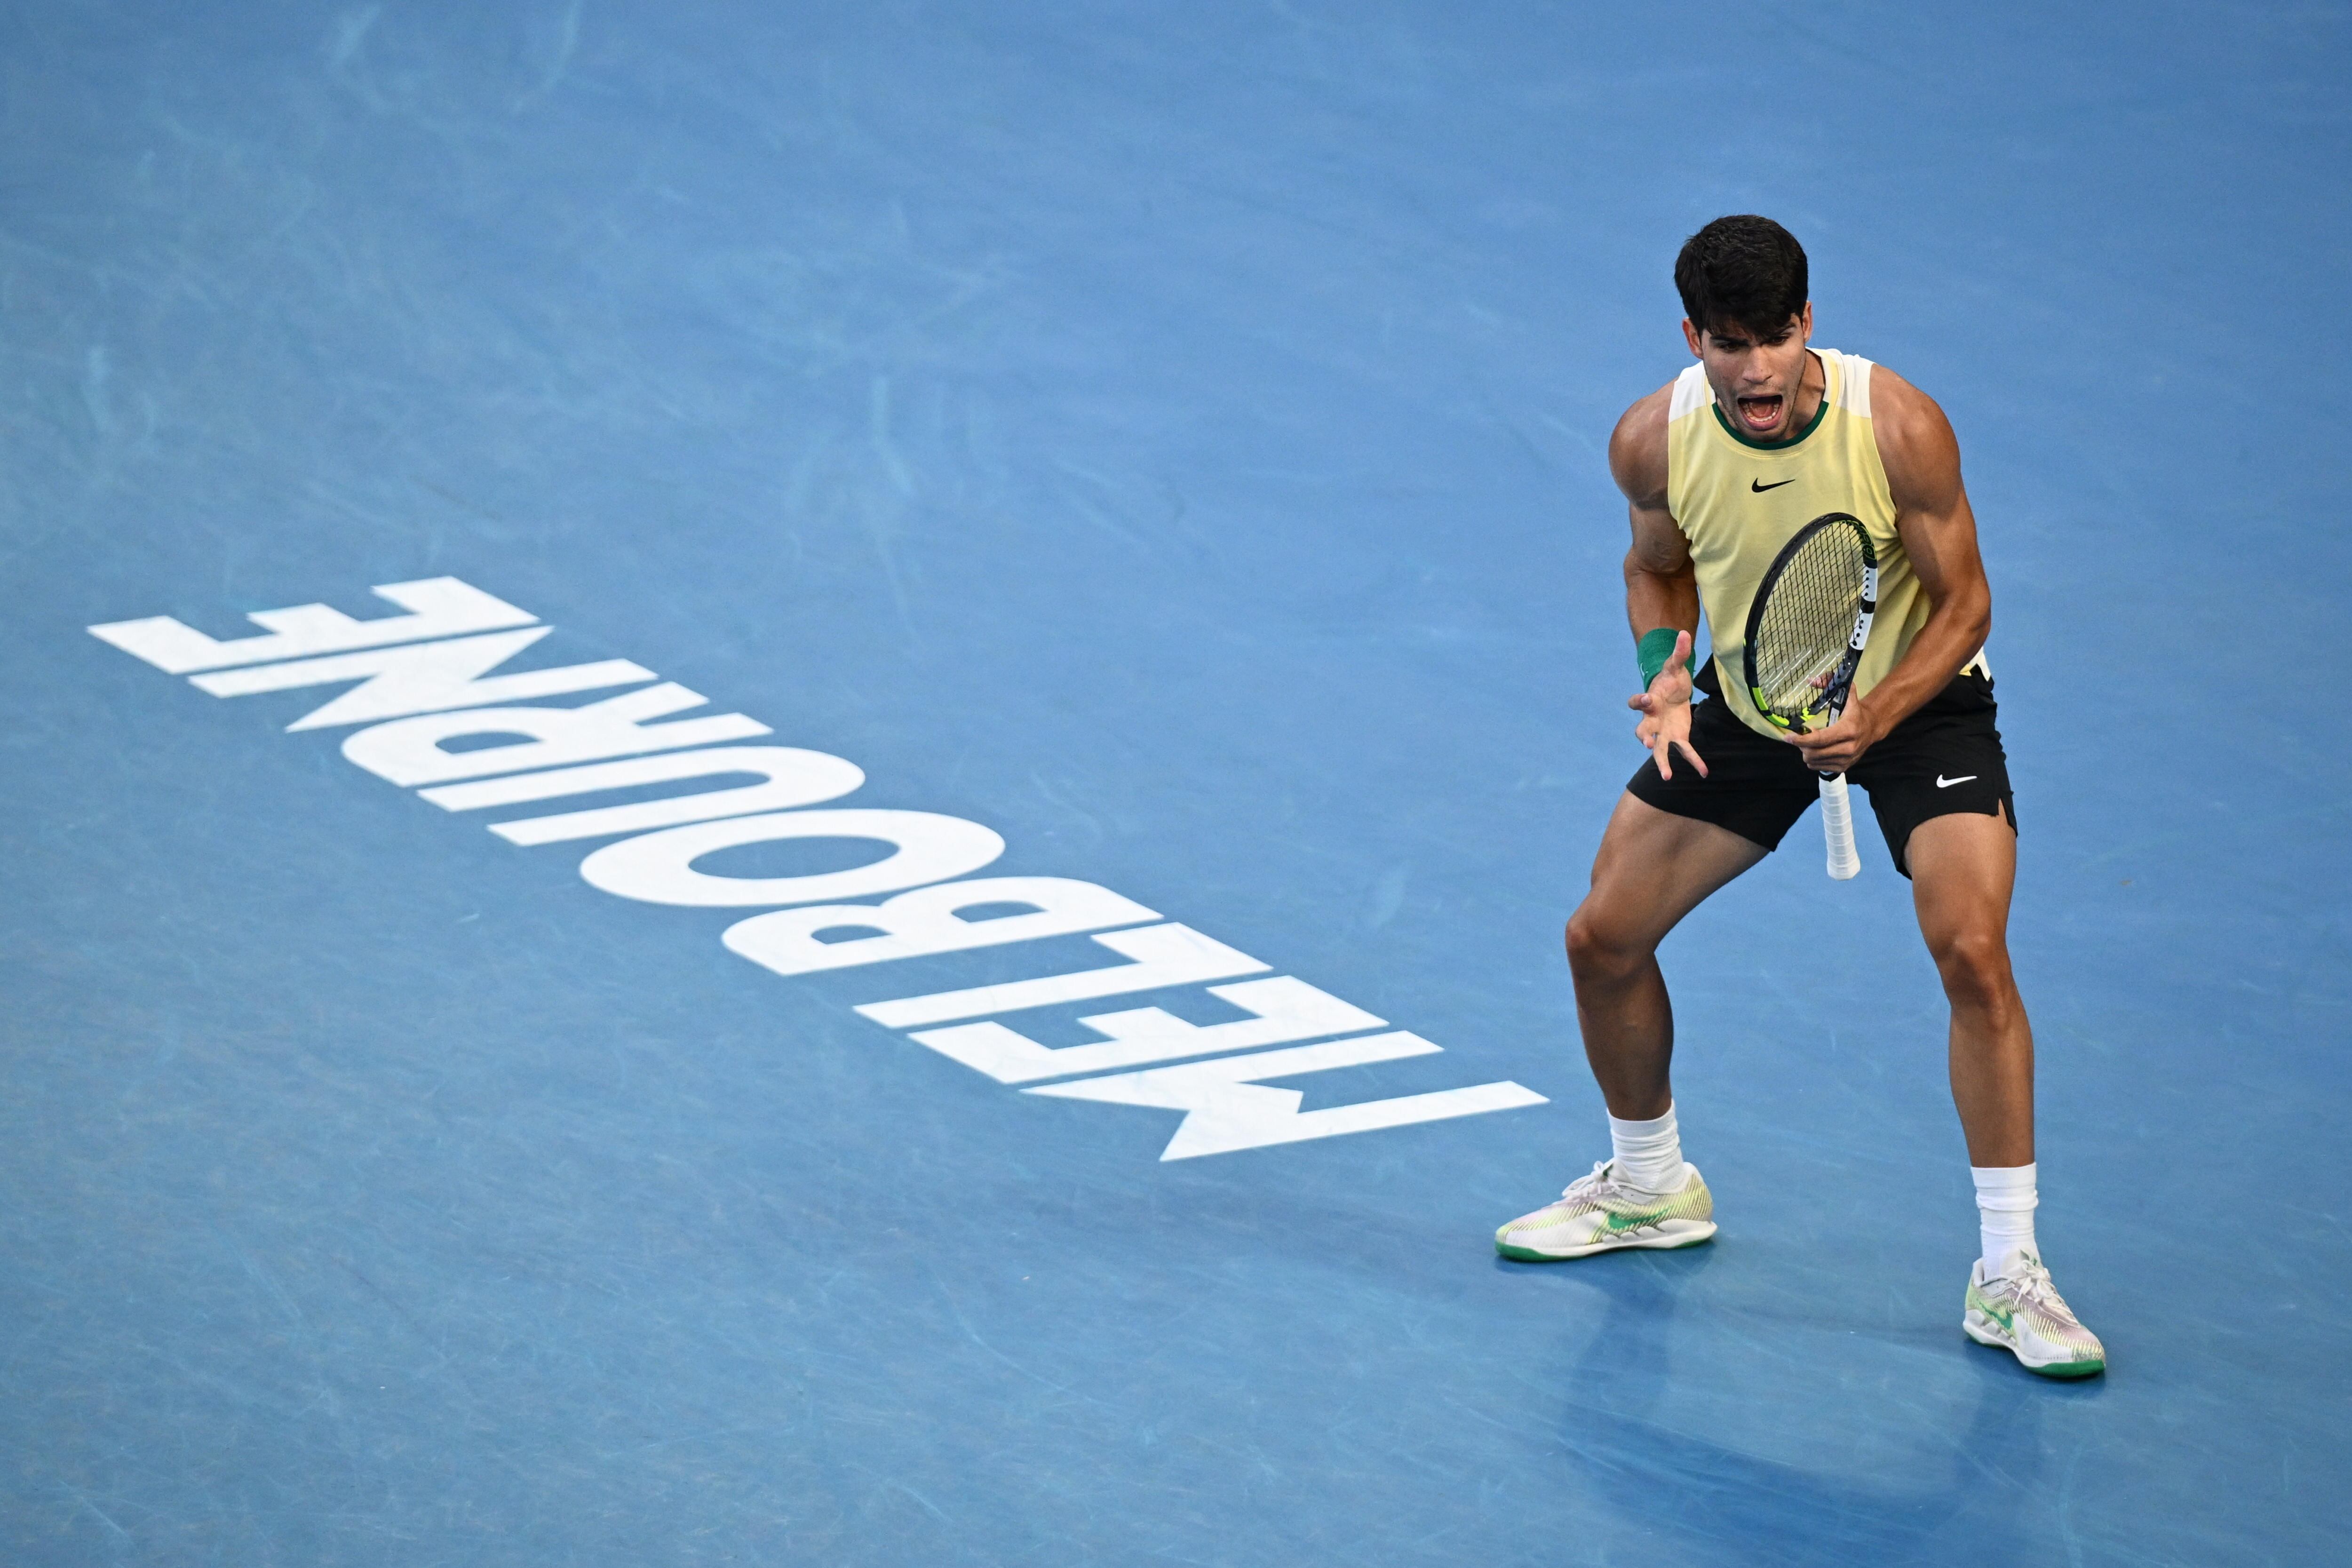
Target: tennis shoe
(2022,1312)
(1598,1213)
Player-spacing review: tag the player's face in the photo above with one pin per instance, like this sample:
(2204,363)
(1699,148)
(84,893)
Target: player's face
(1757,375)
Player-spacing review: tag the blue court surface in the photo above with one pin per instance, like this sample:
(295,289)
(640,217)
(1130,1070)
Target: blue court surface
(1158,449)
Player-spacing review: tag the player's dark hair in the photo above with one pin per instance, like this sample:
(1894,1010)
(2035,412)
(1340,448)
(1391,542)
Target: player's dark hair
(1741,272)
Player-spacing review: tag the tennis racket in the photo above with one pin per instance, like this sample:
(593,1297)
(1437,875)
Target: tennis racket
(1805,635)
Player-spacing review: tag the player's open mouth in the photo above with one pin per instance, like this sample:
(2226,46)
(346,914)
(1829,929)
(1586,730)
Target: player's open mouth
(1761,413)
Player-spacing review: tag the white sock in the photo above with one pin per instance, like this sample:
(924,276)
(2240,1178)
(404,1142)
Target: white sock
(2005,1203)
(1649,1154)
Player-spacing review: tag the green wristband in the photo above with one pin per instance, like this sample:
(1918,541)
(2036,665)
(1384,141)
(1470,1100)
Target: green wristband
(1655,648)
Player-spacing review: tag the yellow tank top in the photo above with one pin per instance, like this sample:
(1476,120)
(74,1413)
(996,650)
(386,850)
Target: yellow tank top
(1739,502)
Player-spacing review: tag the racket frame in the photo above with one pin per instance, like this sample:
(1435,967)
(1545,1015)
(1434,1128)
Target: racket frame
(1837,809)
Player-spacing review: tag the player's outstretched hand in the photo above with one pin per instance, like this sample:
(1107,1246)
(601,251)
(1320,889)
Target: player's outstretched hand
(1839,747)
(1665,710)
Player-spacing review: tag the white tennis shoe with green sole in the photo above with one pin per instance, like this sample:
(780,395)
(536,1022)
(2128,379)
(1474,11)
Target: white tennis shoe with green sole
(2021,1313)
(1599,1213)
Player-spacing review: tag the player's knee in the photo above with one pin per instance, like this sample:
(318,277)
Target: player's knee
(1596,945)
(1975,967)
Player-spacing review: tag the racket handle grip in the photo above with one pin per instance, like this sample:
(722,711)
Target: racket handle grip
(1837,825)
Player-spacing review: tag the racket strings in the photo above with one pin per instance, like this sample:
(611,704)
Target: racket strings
(1806,622)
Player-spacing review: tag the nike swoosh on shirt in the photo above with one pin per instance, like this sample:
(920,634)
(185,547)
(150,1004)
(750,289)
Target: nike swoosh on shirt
(1759,486)
(1943,782)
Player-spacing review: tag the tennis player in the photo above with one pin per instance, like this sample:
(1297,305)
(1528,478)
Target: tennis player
(1721,467)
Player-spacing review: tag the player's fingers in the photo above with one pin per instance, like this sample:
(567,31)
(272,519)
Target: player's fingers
(1697,761)
(1662,752)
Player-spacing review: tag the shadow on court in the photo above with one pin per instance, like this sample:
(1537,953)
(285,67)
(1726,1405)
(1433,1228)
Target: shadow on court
(1724,1504)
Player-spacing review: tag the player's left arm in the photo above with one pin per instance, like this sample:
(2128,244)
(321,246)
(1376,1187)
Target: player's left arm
(1922,459)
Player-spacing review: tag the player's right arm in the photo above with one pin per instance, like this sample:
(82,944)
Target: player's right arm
(1661,586)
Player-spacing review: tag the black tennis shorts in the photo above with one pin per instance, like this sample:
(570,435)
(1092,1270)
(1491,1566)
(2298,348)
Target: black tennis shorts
(1946,757)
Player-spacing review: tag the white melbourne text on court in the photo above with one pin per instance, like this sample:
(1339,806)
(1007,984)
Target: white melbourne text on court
(424,678)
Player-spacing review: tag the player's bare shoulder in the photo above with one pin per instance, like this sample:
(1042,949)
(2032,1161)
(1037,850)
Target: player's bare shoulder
(1916,443)
(1637,449)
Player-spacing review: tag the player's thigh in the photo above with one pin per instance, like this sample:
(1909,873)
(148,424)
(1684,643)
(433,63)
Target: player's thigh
(1963,869)
(1653,868)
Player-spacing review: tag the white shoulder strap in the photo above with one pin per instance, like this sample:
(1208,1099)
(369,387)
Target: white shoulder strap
(1853,382)
(1691,393)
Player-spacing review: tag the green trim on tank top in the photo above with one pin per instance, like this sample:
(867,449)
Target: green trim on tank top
(1810,425)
